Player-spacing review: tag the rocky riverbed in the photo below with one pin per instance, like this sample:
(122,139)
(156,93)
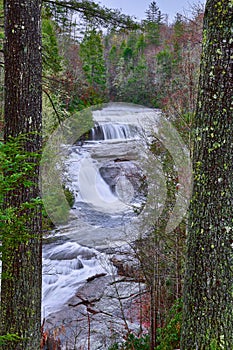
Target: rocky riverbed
(91,280)
(103,309)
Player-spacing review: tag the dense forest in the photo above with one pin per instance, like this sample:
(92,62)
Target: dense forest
(156,64)
(90,56)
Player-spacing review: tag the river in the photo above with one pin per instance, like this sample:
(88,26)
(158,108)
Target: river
(105,173)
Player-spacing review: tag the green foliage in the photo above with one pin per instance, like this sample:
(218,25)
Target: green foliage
(91,53)
(153,14)
(91,97)
(152,24)
(164,62)
(133,343)
(127,53)
(17,165)
(55,207)
(4,339)
(123,45)
(134,86)
(52,109)
(168,337)
(113,53)
(152,33)
(16,175)
(51,57)
(218,344)
(132,40)
(53,112)
(141,44)
(178,26)
(69,196)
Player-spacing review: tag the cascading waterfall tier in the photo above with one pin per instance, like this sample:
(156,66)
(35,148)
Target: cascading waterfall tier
(112,131)
(106,178)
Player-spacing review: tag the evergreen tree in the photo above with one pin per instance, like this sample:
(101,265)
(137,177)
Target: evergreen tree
(140,44)
(91,53)
(178,26)
(153,14)
(153,23)
(179,31)
(51,57)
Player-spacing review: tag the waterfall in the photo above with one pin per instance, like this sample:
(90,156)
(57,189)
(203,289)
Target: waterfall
(95,191)
(111,131)
(106,180)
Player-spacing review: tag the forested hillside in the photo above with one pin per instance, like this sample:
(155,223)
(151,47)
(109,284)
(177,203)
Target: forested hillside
(84,63)
(81,55)
(155,65)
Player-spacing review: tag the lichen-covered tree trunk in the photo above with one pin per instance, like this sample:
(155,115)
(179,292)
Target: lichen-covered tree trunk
(208,286)
(21,278)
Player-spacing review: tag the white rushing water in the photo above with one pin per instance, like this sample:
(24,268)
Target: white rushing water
(111,131)
(94,191)
(65,268)
(102,213)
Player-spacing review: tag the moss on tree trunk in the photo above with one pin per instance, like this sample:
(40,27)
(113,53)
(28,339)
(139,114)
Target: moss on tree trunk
(208,288)
(21,282)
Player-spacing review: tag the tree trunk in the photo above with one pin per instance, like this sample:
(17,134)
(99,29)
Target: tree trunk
(208,297)
(21,285)
(153,314)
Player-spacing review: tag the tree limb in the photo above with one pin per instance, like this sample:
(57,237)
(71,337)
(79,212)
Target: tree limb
(54,108)
(92,10)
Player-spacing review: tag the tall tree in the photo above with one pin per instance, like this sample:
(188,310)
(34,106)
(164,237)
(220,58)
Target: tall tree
(21,285)
(208,297)
(152,23)
(91,53)
(21,232)
(153,14)
(91,12)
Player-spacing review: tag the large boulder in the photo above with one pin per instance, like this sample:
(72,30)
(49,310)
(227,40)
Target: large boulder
(114,171)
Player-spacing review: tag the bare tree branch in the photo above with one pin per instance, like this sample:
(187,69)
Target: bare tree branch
(54,108)
(103,15)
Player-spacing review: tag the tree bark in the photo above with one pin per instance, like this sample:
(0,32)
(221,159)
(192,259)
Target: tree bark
(21,286)
(208,297)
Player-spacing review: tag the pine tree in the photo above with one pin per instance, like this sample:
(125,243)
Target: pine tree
(152,24)
(91,53)
(153,14)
